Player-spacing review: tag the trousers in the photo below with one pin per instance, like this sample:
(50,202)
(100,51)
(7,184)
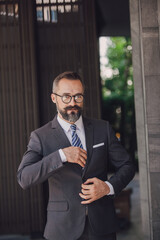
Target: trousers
(89,235)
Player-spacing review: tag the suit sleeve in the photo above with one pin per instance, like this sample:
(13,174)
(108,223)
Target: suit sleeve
(35,168)
(121,161)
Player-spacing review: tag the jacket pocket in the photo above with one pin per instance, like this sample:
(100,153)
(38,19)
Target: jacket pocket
(58,206)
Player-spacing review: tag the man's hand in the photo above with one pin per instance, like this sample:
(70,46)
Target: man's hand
(93,189)
(75,155)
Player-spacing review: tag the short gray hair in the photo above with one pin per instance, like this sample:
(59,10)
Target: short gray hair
(68,75)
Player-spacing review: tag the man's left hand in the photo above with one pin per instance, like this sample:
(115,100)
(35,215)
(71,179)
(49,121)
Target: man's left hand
(93,189)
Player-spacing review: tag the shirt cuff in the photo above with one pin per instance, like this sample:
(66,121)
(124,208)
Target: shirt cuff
(62,155)
(110,187)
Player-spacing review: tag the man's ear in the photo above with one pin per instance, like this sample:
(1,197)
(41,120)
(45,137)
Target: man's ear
(53,97)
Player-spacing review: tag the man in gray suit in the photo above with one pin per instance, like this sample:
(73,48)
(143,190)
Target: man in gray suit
(73,153)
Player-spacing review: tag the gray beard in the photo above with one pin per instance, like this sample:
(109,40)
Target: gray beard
(72,117)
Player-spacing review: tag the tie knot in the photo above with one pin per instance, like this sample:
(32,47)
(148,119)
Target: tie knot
(73,127)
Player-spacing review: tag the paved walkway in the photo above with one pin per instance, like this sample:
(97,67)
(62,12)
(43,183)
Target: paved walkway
(134,232)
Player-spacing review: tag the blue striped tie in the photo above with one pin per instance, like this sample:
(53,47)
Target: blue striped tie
(75,139)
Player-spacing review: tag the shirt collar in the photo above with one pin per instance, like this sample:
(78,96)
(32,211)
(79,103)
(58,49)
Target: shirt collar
(66,126)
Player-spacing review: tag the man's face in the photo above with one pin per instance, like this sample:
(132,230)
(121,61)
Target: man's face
(70,112)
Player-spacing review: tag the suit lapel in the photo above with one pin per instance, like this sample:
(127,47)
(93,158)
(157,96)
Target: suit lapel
(60,135)
(88,127)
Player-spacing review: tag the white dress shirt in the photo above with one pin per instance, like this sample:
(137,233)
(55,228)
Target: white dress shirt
(81,134)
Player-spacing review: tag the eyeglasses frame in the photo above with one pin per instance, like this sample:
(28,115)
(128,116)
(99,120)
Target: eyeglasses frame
(73,96)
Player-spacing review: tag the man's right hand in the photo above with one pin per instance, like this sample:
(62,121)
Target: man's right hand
(75,155)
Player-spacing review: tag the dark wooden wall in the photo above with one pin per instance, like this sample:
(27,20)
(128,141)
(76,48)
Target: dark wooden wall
(66,40)
(20,211)
(32,53)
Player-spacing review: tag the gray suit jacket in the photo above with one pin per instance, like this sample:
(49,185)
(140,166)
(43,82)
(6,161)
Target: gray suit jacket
(65,213)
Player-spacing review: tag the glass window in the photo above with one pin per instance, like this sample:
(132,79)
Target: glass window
(10,10)
(38,1)
(45,1)
(46,14)
(61,8)
(3,10)
(54,14)
(39,14)
(68,8)
(75,8)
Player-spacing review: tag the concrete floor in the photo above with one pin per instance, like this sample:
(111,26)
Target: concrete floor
(134,232)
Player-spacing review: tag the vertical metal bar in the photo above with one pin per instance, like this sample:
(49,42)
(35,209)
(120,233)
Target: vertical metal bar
(7,123)
(16,109)
(3,117)
(21,118)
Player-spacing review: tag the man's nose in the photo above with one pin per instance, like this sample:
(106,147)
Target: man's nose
(72,102)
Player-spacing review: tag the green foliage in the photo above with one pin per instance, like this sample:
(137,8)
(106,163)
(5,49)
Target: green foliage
(118,91)
(119,55)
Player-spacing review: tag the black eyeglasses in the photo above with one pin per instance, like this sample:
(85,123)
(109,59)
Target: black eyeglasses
(78,98)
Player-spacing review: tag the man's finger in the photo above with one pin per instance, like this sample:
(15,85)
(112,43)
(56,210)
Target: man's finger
(82,160)
(81,149)
(84,155)
(85,191)
(84,151)
(81,163)
(85,196)
(86,187)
